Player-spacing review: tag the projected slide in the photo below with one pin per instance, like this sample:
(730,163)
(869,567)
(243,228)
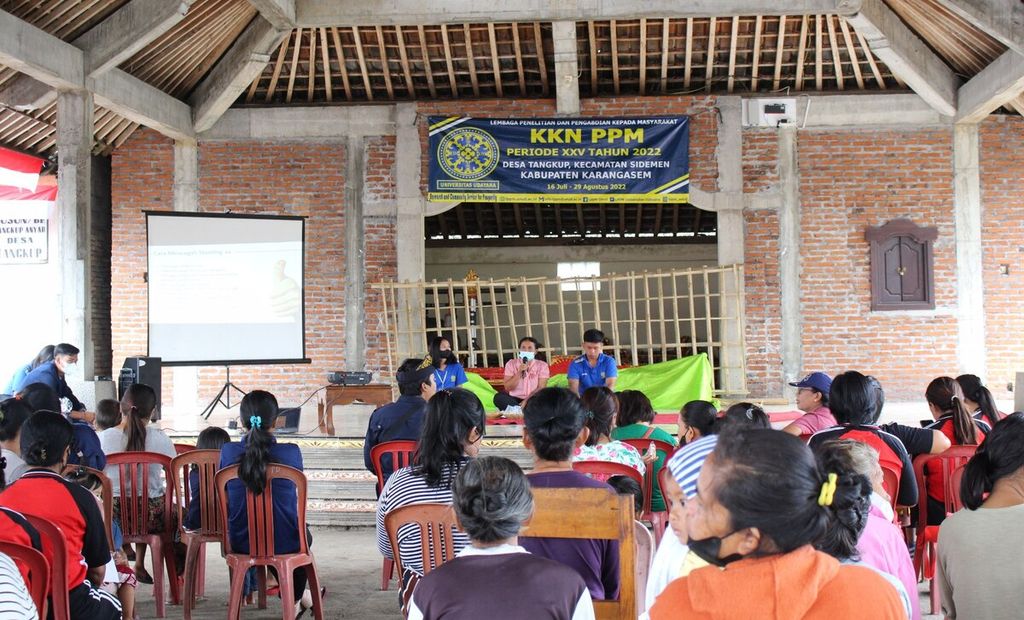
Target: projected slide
(225,288)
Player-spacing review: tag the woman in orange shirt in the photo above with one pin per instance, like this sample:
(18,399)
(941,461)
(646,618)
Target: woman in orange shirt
(761,503)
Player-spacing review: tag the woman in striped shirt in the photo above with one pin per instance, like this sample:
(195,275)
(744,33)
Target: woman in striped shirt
(15,602)
(453,427)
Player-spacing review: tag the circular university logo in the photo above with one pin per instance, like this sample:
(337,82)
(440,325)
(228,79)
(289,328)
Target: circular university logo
(468,153)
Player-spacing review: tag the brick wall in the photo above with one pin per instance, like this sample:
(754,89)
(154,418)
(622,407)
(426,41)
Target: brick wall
(381,266)
(1002,195)
(763,309)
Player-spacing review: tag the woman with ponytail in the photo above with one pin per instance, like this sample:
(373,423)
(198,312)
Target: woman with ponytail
(979,400)
(762,502)
(980,548)
(256,449)
(494,577)
(952,419)
(137,407)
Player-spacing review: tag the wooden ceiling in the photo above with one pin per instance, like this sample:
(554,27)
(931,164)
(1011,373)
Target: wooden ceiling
(368,64)
(514,224)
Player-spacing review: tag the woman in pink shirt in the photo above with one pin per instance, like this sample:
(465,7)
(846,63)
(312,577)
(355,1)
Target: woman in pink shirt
(524,375)
(812,399)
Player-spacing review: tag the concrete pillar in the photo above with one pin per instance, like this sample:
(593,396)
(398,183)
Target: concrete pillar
(789,258)
(969,270)
(74,198)
(355,252)
(730,243)
(185,395)
(567,84)
(410,229)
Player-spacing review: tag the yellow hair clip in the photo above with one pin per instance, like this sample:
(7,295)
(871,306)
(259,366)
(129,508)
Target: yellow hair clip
(828,490)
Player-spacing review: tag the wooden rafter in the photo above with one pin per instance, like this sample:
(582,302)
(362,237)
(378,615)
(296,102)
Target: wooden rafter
(342,62)
(403,56)
(593,57)
(837,60)
(520,72)
(818,54)
(614,36)
(325,52)
(362,63)
(295,65)
(663,84)
(733,40)
(709,70)
(384,66)
(471,60)
(643,56)
(448,61)
(541,62)
(427,67)
(495,65)
(852,51)
(780,45)
(311,74)
(801,52)
(756,62)
(688,67)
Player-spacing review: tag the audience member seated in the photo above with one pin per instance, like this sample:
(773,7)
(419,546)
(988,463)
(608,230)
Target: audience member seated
(108,416)
(697,418)
(494,577)
(747,415)
(402,419)
(636,421)
(812,399)
(554,427)
(452,432)
(601,405)
(45,355)
(954,420)
(980,548)
(593,368)
(979,400)
(13,413)
(85,448)
(624,485)
(761,503)
(673,560)
(252,453)
(853,399)
(17,603)
(881,545)
(137,406)
(210,438)
(850,515)
(52,374)
(915,439)
(524,375)
(448,372)
(46,445)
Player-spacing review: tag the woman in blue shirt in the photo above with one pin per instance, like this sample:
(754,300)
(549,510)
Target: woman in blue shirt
(256,449)
(448,372)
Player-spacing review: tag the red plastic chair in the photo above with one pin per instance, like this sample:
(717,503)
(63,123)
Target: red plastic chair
(891,482)
(401,453)
(658,520)
(607,469)
(952,460)
(211,526)
(182,448)
(56,553)
(260,510)
(133,484)
(38,570)
(106,495)
(437,526)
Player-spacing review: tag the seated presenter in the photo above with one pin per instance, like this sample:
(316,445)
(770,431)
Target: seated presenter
(52,374)
(448,372)
(524,375)
(593,368)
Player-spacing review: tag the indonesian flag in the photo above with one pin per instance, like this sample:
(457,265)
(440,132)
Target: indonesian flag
(17,170)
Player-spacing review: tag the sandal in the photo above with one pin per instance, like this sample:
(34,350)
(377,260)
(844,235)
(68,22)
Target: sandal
(143,576)
(305,605)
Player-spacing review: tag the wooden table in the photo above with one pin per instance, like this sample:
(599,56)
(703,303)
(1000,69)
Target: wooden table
(371,394)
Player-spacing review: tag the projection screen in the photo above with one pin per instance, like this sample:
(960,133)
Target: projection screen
(226,289)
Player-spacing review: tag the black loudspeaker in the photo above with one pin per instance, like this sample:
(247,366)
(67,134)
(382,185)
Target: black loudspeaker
(288,419)
(144,370)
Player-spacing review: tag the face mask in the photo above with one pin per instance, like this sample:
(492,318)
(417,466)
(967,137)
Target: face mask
(451,357)
(708,549)
(527,355)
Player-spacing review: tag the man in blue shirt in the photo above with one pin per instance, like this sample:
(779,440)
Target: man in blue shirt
(402,419)
(593,368)
(51,374)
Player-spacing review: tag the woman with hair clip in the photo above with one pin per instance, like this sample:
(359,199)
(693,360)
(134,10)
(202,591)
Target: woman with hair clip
(761,504)
(494,577)
(452,432)
(979,400)
(46,444)
(952,419)
(13,413)
(602,408)
(851,517)
(137,406)
(448,372)
(980,548)
(256,449)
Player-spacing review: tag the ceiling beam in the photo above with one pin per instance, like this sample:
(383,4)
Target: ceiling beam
(229,78)
(317,13)
(62,66)
(996,85)
(1002,19)
(906,55)
(280,13)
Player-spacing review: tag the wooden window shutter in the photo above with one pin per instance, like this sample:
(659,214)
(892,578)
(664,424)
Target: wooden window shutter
(901,266)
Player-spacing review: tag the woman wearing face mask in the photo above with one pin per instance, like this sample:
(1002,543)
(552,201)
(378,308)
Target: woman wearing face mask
(761,503)
(448,372)
(524,375)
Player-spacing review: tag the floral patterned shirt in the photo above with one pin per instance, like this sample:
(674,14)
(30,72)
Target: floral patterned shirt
(614,451)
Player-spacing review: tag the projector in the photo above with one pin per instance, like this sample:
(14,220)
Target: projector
(348,378)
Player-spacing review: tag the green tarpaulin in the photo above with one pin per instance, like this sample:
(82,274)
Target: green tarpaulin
(669,385)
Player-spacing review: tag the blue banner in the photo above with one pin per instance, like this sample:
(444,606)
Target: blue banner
(559,159)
